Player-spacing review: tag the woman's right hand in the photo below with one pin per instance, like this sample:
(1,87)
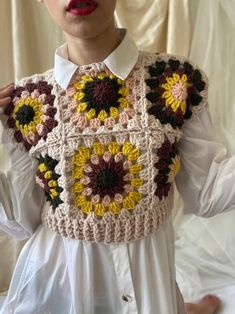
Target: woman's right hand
(5,93)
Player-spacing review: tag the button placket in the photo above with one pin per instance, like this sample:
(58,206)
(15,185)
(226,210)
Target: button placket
(124,278)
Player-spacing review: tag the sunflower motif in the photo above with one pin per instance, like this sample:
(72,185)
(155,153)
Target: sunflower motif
(102,100)
(168,167)
(175,89)
(107,178)
(47,178)
(31,113)
(176,92)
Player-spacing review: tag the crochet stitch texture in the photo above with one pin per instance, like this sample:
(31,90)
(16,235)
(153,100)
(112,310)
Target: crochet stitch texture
(106,147)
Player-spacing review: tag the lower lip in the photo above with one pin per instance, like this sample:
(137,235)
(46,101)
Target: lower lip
(83,11)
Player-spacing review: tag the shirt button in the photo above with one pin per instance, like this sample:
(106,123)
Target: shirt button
(127,298)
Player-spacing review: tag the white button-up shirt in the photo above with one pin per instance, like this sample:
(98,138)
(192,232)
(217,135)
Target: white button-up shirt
(58,275)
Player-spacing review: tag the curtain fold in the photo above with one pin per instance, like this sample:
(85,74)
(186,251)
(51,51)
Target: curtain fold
(157,26)
(6,47)
(146,21)
(28,39)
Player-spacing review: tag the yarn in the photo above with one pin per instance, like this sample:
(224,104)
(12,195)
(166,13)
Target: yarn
(107,148)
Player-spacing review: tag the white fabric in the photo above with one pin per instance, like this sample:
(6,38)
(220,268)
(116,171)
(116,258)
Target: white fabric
(80,277)
(202,265)
(2,298)
(24,196)
(60,275)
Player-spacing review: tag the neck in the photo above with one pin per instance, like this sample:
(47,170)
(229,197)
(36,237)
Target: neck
(91,50)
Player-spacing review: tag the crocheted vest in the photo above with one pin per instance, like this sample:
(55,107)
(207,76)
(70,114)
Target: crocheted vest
(106,147)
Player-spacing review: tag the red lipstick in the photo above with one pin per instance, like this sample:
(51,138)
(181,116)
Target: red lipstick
(81,7)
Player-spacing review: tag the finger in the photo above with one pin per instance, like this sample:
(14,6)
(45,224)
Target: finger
(6,86)
(6,91)
(5,101)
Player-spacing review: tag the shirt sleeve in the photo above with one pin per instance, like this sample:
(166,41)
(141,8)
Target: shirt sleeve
(21,199)
(207,176)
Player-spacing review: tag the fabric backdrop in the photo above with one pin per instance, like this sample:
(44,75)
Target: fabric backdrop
(202,30)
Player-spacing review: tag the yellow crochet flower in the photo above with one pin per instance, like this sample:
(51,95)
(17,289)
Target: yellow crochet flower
(107,178)
(101,100)
(47,178)
(176,92)
(31,114)
(27,114)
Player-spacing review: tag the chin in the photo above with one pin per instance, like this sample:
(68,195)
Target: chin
(85,32)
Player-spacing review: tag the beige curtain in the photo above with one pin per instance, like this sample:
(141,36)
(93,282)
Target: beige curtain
(157,25)
(28,40)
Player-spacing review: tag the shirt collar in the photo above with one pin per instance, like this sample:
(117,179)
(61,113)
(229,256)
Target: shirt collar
(120,62)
